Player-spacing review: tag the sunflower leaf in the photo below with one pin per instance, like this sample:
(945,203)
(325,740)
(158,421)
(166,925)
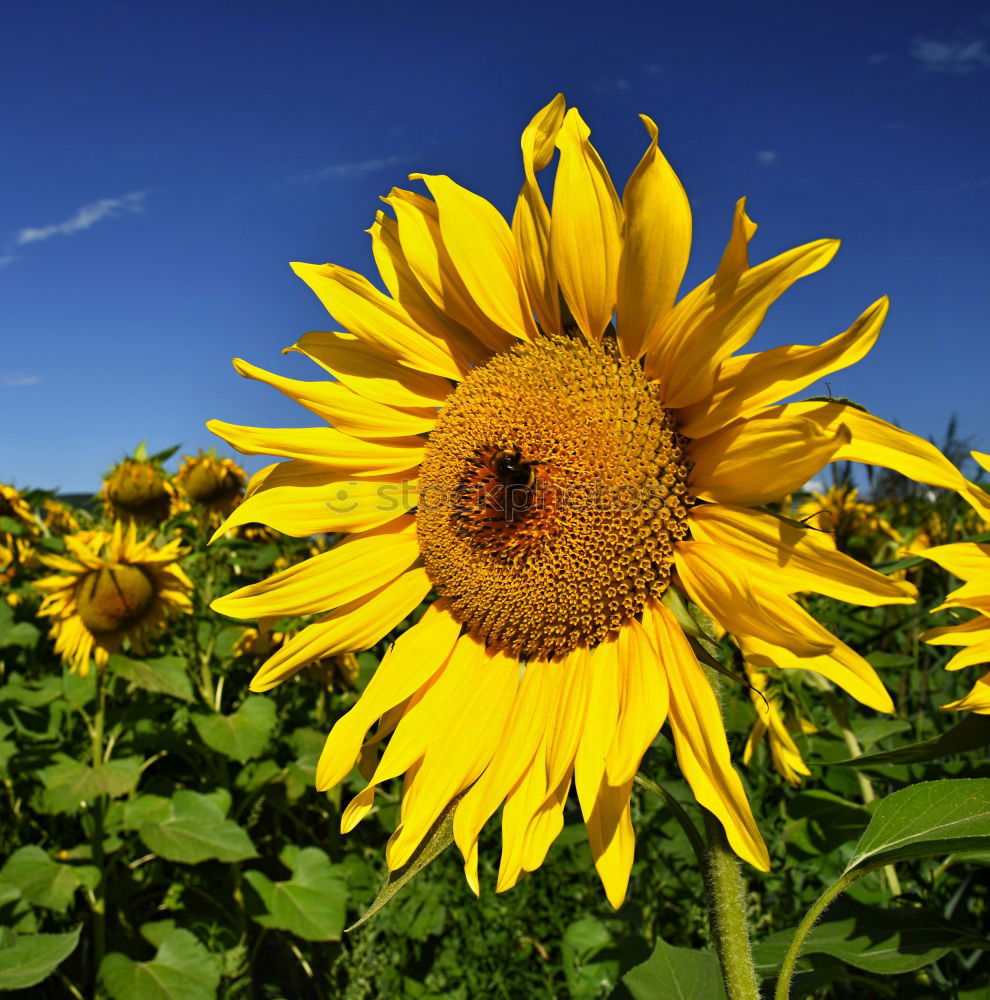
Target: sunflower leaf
(972,733)
(27,959)
(182,969)
(676,972)
(440,837)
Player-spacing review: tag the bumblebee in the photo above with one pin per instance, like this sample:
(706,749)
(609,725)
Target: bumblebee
(511,470)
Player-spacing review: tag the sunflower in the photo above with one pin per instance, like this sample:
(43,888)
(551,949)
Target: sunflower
(213,482)
(778,728)
(108,589)
(17,509)
(970,561)
(857,527)
(557,480)
(139,489)
(59,518)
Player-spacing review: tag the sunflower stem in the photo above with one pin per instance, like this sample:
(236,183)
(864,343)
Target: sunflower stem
(96,837)
(727,914)
(691,831)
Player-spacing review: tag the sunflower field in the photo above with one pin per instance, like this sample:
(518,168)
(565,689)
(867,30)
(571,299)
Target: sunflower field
(563,657)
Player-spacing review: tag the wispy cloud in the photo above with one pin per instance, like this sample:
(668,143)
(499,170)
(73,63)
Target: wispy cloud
(877,59)
(7,258)
(17,380)
(951,57)
(618,85)
(766,156)
(354,170)
(84,218)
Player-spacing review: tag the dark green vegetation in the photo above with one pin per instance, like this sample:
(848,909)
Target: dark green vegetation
(196,859)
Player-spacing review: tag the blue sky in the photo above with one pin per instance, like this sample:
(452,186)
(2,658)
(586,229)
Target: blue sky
(162,163)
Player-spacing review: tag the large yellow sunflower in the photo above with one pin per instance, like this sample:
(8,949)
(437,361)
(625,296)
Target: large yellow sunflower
(970,561)
(551,476)
(110,588)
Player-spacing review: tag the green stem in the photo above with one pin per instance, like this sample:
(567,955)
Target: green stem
(96,838)
(727,915)
(654,788)
(783,990)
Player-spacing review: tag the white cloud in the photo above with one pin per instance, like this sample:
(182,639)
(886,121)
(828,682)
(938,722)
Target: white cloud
(951,57)
(766,156)
(7,258)
(84,218)
(877,59)
(620,85)
(16,380)
(352,171)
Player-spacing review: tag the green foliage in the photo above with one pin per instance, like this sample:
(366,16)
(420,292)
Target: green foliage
(182,969)
(191,828)
(27,959)
(678,973)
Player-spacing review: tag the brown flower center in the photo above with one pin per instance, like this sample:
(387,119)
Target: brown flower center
(114,598)
(552,493)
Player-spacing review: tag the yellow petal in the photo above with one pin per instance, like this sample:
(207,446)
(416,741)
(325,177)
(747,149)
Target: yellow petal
(600,721)
(483,253)
(747,382)
(403,285)
(369,373)
(875,442)
(531,219)
(429,260)
(760,459)
(967,634)
(334,452)
(719,582)
(978,699)
(643,702)
(798,559)
(521,805)
(343,409)
(585,229)
(572,676)
(299,501)
(967,560)
(350,628)
(380,321)
(720,316)
(699,739)
(409,664)
(351,569)
(979,653)
(459,752)
(841,665)
(655,247)
(512,758)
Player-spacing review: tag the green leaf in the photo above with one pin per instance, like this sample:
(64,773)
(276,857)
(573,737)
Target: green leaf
(194,830)
(890,661)
(870,731)
(244,734)
(926,819)
(440,837)
(23,634)
(68,783)
(591,964)
(825,821)
(676,974)
(972,733)
(182,969)
(27,959)
(310,905)
(167,675)
(42,880)
(887,942)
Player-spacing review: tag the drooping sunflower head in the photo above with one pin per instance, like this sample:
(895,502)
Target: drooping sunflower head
(139,489)
(214,483)
(108,590)
(17,509)
(59,518)
(533,425)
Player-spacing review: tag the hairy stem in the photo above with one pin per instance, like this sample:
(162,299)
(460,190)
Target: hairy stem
(96,838)
(727,914)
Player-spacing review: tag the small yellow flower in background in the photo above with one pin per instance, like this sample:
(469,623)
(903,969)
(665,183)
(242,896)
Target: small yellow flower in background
(139,489)
(58,517)
(213,482)
(778,728)
(14,506)
(857,527)
(970,561)
(110,589)
(496,439)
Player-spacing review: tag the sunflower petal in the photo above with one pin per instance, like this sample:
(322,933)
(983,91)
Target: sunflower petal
(483,253)
(806,559)
(350,628)
(600,721)
(379,321)
(585,229)
(967,560)
(747,382)
(531,219)
(410,663)
(612,839)
(700,741)
(343,409)
(655,247)
(351,569)
(978,699)
(760,459)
